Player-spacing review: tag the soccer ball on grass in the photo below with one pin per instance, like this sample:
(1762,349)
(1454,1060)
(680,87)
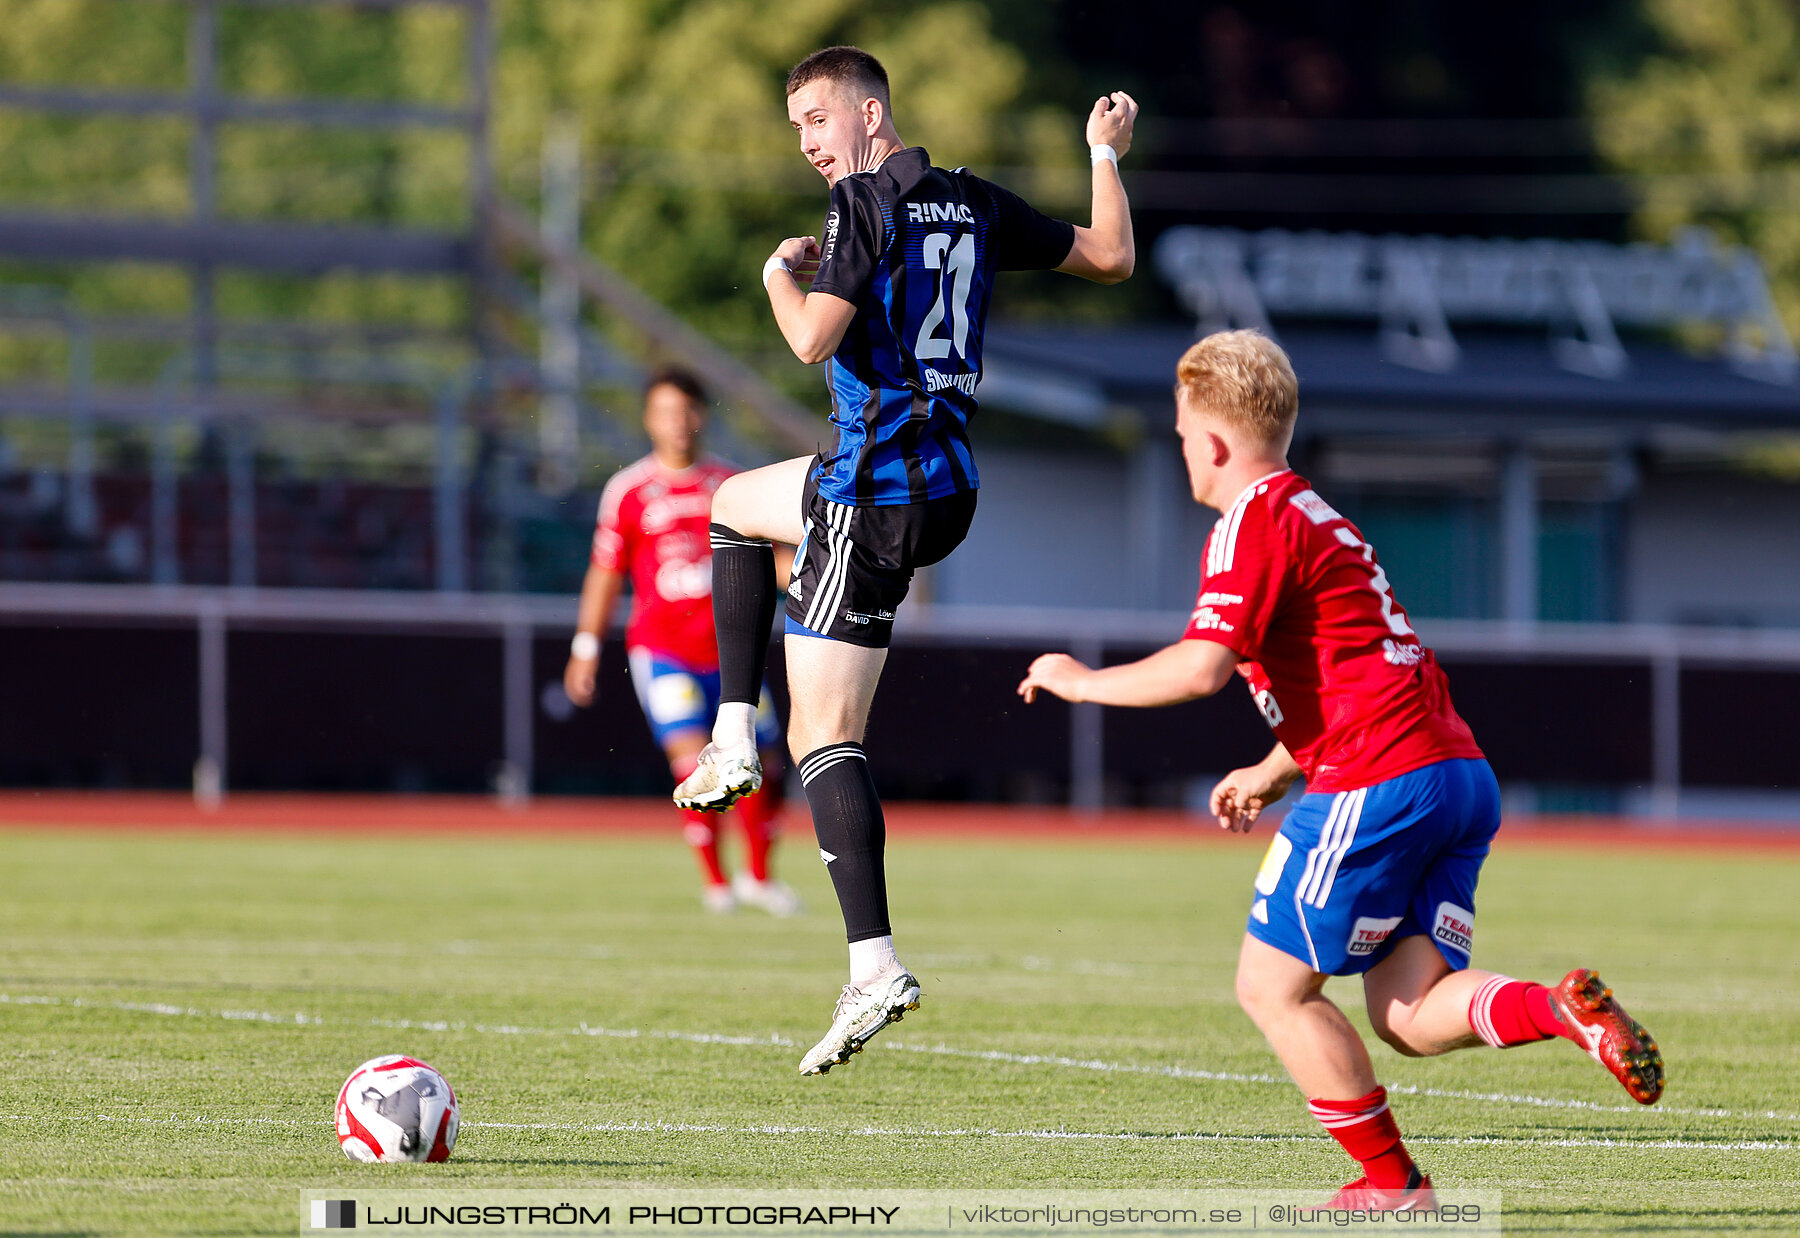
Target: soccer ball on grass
(396,1109)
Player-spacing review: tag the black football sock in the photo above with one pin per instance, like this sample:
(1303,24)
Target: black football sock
(743,612)
(852,835)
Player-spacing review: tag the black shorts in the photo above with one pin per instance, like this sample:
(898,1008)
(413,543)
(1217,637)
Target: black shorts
(855,564)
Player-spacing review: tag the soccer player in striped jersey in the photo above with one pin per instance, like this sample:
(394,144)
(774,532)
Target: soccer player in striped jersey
(901,278)
(651,530)
(1373,872)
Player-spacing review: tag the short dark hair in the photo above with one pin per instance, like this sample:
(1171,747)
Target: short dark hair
(847,66)
(678,377)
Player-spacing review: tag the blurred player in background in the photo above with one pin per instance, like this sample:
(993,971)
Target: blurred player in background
(652,530)
(900,286)
(1374,871)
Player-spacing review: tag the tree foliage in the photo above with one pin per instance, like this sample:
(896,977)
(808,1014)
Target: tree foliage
(693,173)
(697,174)
(1712,114)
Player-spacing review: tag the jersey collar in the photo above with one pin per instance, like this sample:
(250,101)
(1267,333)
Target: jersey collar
(677,475)
(904,168)
(1247,491)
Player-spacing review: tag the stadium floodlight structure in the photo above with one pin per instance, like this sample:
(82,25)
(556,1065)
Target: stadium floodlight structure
(485,253)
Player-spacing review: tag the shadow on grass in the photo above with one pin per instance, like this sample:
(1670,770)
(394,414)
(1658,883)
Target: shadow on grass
(522,1163)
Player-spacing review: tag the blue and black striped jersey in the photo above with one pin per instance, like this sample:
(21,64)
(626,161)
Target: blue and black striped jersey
(915,249)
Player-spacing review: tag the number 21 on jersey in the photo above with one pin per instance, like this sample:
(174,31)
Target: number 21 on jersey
(957,262)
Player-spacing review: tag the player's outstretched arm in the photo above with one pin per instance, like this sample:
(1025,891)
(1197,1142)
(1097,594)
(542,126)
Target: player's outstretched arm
(813,323)
(1105,251)
(600,591)
(1184,671)
(1242,794)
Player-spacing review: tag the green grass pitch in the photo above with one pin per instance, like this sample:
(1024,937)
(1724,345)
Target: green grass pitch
(602,1031)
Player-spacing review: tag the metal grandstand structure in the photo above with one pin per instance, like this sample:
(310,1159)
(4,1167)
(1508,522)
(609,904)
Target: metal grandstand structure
(495,253)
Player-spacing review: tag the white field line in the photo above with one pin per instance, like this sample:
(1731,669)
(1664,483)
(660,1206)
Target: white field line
(977,1132)
(969,1132)
(1398,1089)
(171,1120)
(891,1045)
(1199,1136)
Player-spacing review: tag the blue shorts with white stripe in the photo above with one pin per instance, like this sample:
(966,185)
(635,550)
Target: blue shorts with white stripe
(1350,874)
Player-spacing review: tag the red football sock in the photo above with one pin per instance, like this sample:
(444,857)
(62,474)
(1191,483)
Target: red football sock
(1367,1130)
(759,814)
(704,839)
(1506,1012)
(698,829)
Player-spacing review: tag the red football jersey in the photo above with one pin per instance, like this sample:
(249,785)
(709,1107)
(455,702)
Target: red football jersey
(653,527)
(1292,588)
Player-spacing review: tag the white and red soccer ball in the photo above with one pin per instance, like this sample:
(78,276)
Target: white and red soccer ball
(396,1109)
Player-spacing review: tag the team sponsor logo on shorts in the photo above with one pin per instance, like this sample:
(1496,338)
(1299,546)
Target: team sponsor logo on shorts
(1368,933)
(1274,860)
(675,698)
(1455,926)
(880,616)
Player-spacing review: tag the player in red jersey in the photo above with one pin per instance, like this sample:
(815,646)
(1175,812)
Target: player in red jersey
(652,529)
(1374,871)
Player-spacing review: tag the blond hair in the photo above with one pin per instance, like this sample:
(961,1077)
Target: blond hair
(1245,380)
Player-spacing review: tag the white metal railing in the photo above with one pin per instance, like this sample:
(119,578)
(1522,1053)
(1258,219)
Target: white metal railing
(517,618)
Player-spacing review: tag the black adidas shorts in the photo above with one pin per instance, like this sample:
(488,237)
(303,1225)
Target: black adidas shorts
(855,564)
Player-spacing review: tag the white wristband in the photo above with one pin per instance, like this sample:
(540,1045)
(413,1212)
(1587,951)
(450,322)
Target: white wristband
(585,646)
(775,263)
(1103,151)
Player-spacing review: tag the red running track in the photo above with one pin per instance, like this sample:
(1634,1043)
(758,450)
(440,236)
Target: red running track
(478,815)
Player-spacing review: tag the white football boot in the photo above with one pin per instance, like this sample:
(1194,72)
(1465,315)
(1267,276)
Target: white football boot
(775,897)
(860,1013)
(722,778)
(719,900)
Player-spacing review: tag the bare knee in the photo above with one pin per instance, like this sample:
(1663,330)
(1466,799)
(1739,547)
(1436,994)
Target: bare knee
(816,723)
(1247,995)
(1394,1038)
(765,502)
(799,744)
(1395,1028)
(1260,1000)
(1272,987)
(728,504)
(831,685)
